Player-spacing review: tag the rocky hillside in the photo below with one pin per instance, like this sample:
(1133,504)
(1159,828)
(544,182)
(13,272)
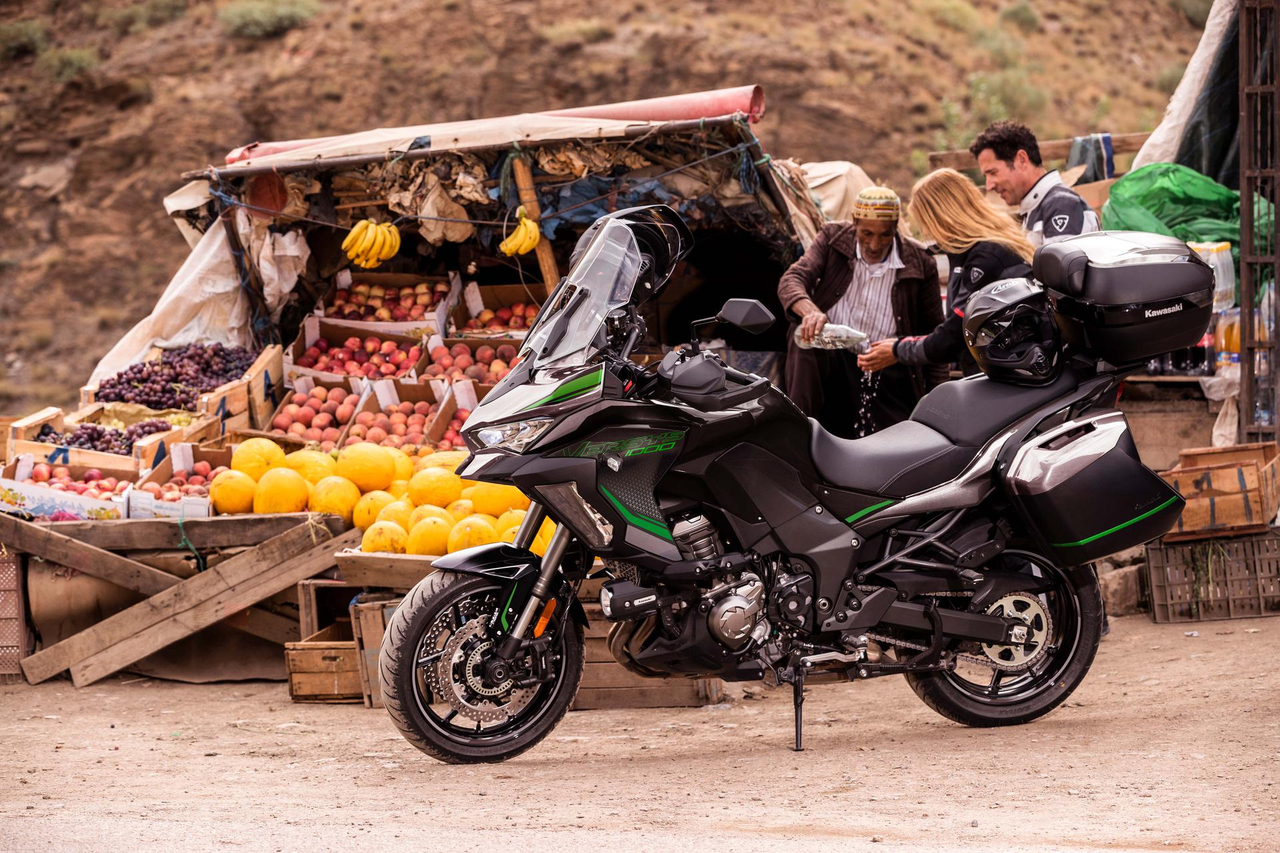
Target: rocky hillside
(103,103)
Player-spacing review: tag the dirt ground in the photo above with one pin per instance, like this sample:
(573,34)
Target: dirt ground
(1173,742)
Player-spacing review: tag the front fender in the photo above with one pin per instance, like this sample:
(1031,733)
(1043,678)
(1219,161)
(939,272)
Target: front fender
(515,567)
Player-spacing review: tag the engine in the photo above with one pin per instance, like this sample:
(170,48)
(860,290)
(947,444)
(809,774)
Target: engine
(736,614)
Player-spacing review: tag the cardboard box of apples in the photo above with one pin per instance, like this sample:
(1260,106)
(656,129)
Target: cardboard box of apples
(324,350)
(497,310)
(179,486)
(378,303)
(482,361)
(65,492)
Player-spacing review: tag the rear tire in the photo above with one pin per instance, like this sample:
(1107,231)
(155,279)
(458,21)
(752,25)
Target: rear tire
(944,693)
(407,695)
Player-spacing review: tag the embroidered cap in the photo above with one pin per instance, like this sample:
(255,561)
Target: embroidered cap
(879,203)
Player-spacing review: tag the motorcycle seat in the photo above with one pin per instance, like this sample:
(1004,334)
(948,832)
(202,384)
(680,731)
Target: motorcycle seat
(903,459)
(970,412)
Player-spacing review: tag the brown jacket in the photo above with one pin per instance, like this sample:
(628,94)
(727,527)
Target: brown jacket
(826,269)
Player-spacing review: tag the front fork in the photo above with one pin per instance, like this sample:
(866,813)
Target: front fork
(510,646)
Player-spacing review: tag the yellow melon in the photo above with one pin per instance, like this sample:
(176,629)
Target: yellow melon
(471,532)
(449,459)
(384,537)
(368,507)
(429,511)
(508,535)
(404,464)
(398,512)
(400,489)
(231,493)
(281,490)
(313,465)
(435,486)
(336,496)
(429,537)
(493,499)
(509,519)
(256,457)
(459,509)
(369,466)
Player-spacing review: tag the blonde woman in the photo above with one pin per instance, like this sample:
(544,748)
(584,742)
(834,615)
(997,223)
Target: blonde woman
(983,245)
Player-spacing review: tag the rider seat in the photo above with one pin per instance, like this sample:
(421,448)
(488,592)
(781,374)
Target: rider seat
(949,426)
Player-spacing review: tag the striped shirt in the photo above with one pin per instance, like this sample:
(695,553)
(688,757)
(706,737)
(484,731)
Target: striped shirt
(867,303)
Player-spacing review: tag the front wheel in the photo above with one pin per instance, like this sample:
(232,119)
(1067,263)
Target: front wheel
(1004,685)
(431,667)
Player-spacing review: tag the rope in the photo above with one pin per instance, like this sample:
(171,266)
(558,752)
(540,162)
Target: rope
(201,565)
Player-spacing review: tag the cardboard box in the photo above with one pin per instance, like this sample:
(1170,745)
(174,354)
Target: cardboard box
(143,504)
(146,452)
(388,393)
(358,389)
(472,344)
(435,320)
(314,328)
(476,298)
(1226,488)
(47,503)
(463,394)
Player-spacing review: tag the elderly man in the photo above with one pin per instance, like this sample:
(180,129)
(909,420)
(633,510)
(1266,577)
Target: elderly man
(864,274)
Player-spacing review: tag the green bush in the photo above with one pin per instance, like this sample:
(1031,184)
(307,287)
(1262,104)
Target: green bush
(586,31)
(140,16)
(1021,15)
(65,64)
(1195,11)
(956,14)
(1169,77)
(1004,48)
(21,38)
(1004,94)
(262,19)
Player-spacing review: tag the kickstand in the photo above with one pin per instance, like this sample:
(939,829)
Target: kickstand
(797,693)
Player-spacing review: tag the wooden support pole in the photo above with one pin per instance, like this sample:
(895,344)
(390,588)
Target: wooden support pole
(529,198)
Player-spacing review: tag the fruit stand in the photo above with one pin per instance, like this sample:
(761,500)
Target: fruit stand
(306,413)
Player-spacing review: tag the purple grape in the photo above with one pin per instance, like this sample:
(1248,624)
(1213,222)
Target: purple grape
(178,379)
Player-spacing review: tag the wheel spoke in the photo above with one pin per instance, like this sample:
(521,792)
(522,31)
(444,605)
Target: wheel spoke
(457,616)
(449,716)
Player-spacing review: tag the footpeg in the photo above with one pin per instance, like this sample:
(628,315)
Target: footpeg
(969,577)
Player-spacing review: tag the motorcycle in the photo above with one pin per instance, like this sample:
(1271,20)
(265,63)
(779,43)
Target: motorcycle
(745,542)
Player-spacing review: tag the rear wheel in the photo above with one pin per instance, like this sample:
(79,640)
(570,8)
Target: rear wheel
(1008,685)
(431,667)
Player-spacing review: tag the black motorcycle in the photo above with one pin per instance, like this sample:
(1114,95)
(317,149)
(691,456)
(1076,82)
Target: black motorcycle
(745,542)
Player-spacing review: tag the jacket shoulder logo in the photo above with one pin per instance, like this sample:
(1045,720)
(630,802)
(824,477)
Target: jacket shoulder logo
(976,274)
(1060,221)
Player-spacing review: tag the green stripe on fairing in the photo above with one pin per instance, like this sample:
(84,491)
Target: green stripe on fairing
(1131,521)
(860,513)
(584,384)
(650,525)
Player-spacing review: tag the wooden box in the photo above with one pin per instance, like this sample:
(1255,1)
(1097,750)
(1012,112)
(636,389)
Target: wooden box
(368,623)
(314,593)
(607,684)
(201,428)
(22,435)
(323,667)
(384,571)
(1229,490)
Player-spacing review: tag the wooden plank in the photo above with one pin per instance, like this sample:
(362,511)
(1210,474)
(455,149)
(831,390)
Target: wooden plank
(613,674)
(338,686)
(394,571)
(308,616)
(523,175)
(677,695)
(1050,149)
(263,623)
(224,531)
(202,600)
(44,542)
(596,650)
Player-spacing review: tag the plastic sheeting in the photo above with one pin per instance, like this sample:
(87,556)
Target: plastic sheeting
(204,303)
(835,185)
(1165,198)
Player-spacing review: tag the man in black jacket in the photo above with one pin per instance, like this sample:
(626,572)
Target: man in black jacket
(1009,157)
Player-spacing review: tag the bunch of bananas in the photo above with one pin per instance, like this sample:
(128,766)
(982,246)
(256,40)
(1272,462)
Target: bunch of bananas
(524,239)
(370,243)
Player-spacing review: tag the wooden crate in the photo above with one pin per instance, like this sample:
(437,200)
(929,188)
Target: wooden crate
(324,666)
(232,437)
(23,431)
(368,623)
(5,423)
(1235,578)
(607,684)
(388,571)
(13,620)
(1229,490)
(265,384)
(309,611)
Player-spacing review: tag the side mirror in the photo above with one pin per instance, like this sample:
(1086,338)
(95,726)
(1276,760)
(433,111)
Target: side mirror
(749,315)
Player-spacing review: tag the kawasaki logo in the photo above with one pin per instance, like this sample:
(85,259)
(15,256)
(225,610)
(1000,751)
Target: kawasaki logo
(1160,312)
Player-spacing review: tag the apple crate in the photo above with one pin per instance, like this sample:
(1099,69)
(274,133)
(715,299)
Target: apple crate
(357,390)
(464,394)
(46,503)
(447,371)
(144,503)
(323,667)
(298,363)
(22,433)
(355,291)
(471,317)
(423,399)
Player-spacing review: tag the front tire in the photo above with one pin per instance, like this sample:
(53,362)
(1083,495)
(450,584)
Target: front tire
(1024,697)
(447,613)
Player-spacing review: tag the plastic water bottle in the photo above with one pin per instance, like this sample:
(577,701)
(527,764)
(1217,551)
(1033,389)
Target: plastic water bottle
(832,336)
(1218,257)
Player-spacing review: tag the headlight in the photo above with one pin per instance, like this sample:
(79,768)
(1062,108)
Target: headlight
(514,436)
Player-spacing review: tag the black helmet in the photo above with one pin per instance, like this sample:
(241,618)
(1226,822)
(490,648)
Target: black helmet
(1010,329)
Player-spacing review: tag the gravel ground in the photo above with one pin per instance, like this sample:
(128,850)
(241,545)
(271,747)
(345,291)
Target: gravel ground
(1173,742)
